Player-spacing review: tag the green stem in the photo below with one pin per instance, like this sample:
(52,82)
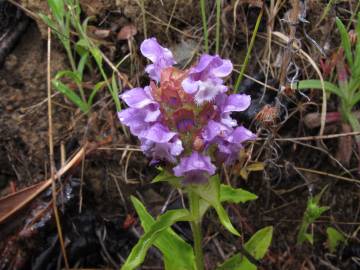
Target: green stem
(218,13)
(203,15)
(194,200)
(248,53)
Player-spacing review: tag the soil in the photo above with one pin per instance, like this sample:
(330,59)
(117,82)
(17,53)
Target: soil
(98,214)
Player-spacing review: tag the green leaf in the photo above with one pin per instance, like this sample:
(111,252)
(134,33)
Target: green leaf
(47,21)
(75,76)
(257,247)
(163,222)
(97,56)
(70,94)
(57,9)
(177,253)
(165,176)
(316,84)
(356,68)
(345,41)
(211,194)
(82,46)
(309,237)
(334,238)
(115,92)
(83,60)
(259,242)
(96,89)
(238,195)
(312,213)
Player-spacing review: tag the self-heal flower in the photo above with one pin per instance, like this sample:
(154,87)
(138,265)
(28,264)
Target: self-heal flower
(226,104)
(204,80)
(229,146)
(160,143)
(184,116)
(195,169)
(160,56)
(143,111)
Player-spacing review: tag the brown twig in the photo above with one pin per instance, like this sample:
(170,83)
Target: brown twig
(51,153)
(311,138)
(339,177)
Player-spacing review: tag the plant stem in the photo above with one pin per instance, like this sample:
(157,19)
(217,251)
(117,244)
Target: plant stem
(248,53)
(203,15)
(218,13)
(196,229)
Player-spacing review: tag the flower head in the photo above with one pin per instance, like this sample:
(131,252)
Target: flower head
(160,56)
(184,116)
(196,168)
(204,80)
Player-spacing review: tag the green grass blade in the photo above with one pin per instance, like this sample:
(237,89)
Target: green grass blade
(316,84)
(345,41)
(218,13)
(204,22)
(62,88)
(57,9)
(248,53)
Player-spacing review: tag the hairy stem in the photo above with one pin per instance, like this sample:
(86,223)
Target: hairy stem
(196,229)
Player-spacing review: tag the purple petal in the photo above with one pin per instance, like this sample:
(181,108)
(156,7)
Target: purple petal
(137,97)
(205,61)
(240,135)
(194,163)
(211,66)
(153,114)
(134,119)
(224,69)
(236,103)
(162,151)
(227,120)
(207,91)
(160,56)
(152,50)
(158,133)
(214,129)
(189,85)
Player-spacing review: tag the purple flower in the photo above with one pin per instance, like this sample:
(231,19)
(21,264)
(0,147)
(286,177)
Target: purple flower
(160,56)
(204,79)
(138,97)
(143,111)
(160,143)
(196,168)
(228,140)
(232,103)
(229,147)
(162,151)
(187,111)
(215,129)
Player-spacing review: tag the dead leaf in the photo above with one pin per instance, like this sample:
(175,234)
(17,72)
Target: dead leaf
(253,167)
(127,32)
(14,202)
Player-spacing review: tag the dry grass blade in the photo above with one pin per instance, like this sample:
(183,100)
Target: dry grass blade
(51,153)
